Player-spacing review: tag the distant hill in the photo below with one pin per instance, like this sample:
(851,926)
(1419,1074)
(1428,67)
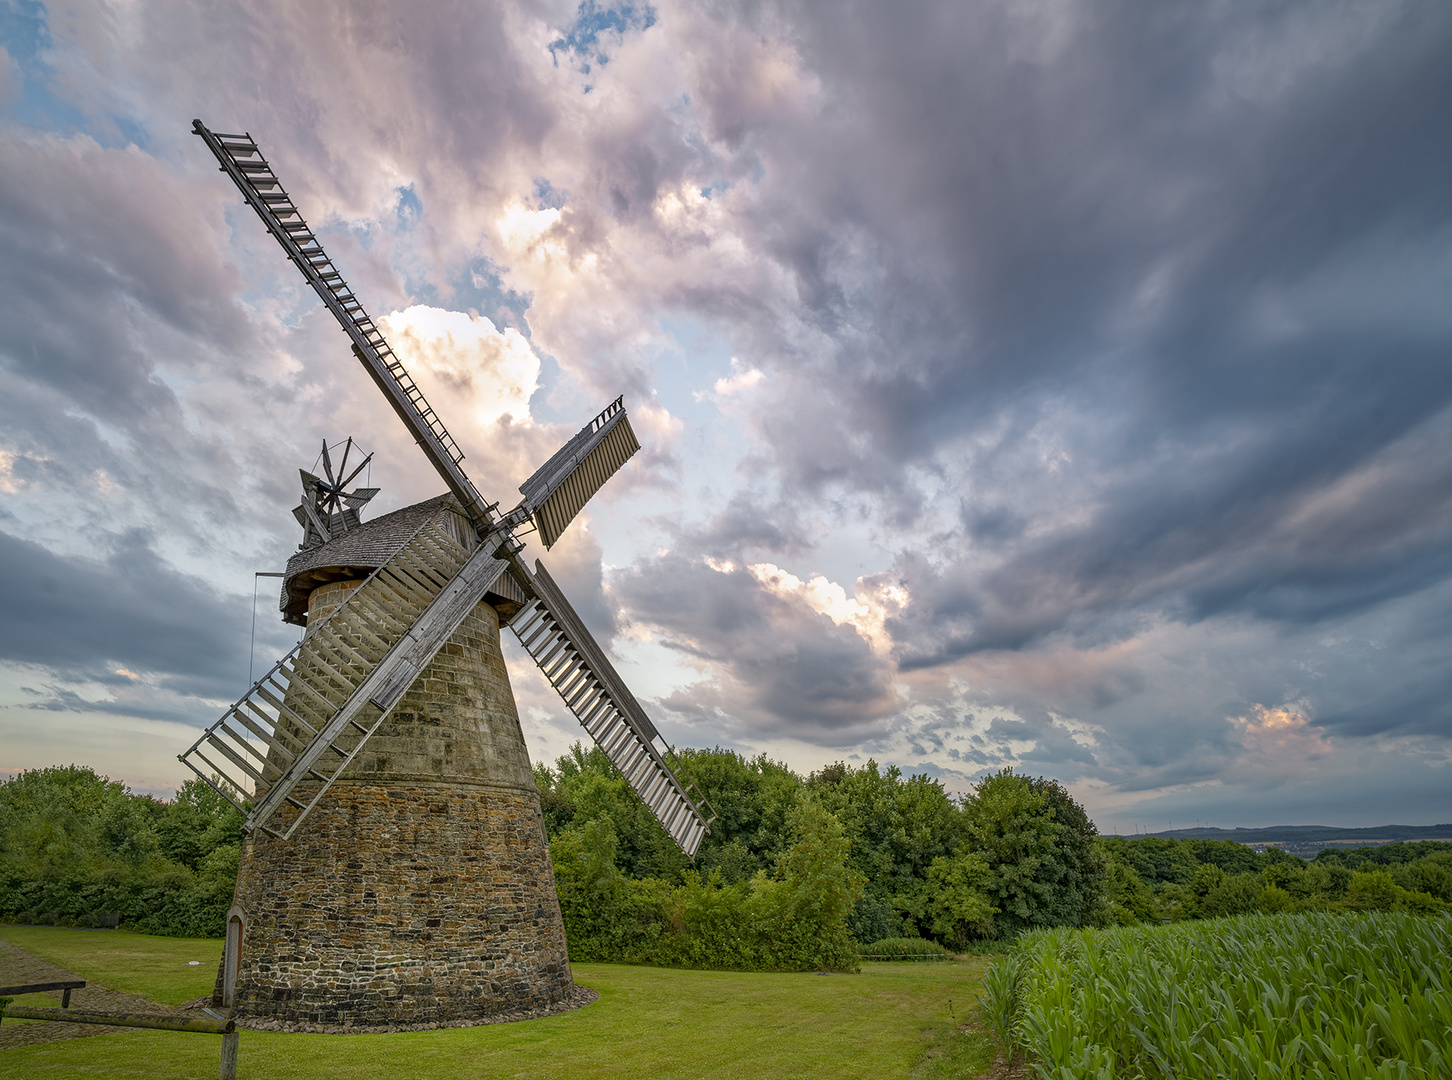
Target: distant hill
(1306,840)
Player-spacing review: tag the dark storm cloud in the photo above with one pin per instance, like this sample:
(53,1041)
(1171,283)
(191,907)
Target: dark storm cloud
(119,308)
(1266,528)
(97,241)
(779,667)
(1014,206)
(1184,244)
(1390,672)
(747,525)
(1052,743)
(127,608)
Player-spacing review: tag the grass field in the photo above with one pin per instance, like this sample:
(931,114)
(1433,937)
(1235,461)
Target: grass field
(893,1020)
(155,967)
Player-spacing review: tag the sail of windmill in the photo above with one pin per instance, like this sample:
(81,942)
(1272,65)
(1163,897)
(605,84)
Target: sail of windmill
(389,732)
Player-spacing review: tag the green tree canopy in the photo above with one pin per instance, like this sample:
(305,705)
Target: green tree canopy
(1039,845)
(896,828)
(75,845)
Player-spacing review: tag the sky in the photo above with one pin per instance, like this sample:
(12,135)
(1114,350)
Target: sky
(1050,385)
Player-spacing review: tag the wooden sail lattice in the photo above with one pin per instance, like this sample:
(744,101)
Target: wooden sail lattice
(575,666)
(299,727)
(242,160)
(280,747)
(562,486)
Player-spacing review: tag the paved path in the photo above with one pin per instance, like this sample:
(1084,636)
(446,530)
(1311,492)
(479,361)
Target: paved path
(18,966)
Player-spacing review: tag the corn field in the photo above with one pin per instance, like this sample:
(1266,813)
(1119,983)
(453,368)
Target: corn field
(1328,996)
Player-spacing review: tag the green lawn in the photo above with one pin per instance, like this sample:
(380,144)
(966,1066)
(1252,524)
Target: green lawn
(892,1020)
(155,967)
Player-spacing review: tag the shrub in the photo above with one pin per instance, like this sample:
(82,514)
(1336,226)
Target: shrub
(793,920)
(75,846)
(903,948)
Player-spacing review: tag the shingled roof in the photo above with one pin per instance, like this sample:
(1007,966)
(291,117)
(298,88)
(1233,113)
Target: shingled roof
(358,552)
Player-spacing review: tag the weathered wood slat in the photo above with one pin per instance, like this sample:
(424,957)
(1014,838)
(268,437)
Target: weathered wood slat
(574,665)
(162,1021)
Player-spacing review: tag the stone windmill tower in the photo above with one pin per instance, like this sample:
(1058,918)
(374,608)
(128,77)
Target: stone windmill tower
(395,869)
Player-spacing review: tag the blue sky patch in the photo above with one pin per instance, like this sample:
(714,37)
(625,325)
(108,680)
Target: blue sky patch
(25,35)
(584,43)
(408,208)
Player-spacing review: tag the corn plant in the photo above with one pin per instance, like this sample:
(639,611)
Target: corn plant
(1329,996)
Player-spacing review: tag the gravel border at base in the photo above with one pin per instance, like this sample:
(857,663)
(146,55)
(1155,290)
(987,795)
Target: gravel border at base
(577,997)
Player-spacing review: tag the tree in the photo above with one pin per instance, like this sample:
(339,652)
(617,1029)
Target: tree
(607,915)
(794,918)
(808,904)
(752,798)
(1130,900)
(1039,844)
(584,786)
(896,828)
(1155,859)
(197,824)
(75,845)
(958,908)
(1231,857)
(1234,894)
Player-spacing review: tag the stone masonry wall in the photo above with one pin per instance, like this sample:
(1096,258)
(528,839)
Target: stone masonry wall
(419,889)
(421,904)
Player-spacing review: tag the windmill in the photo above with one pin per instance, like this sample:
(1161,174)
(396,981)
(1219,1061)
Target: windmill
(397,703)
(327,505)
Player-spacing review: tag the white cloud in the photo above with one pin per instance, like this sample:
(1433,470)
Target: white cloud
(742,381)
(866,611)
(525,233)
(10,482)
(491,373)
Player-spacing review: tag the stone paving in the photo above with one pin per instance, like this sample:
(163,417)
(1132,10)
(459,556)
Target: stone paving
(18,966)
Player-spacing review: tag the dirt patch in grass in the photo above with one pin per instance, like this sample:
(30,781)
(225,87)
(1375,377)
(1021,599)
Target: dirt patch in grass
(1001,1069)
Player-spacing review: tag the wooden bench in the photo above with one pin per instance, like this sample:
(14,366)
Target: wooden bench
(40,988)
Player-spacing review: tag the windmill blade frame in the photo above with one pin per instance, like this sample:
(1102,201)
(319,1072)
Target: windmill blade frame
(556,493)
(560,488)
(274,741)
(354,474)
(328,463)
(242,160)
(385,684)
(574,664)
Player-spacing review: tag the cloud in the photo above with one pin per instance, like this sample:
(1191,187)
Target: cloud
(9,80)
(1082,370)
(142,752)
(101,243)
(486,373)
(773,658)
(866,612)
(125,609)
(740,382)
